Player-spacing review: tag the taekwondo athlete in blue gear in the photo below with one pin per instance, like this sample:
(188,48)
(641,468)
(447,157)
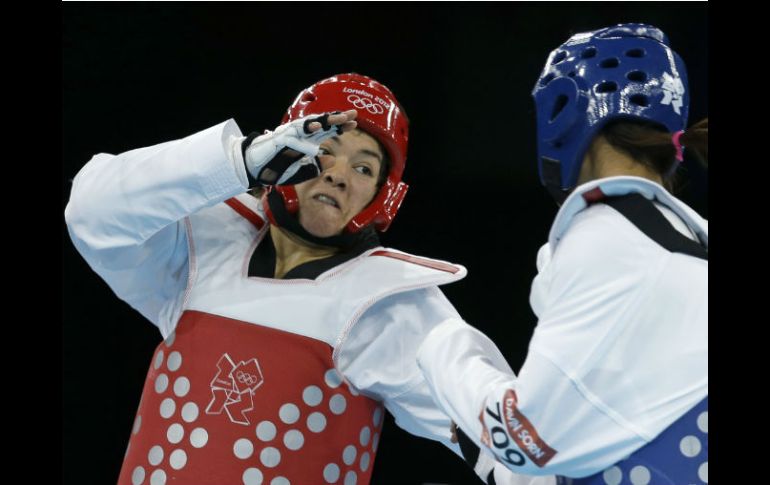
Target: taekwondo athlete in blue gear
(614,389)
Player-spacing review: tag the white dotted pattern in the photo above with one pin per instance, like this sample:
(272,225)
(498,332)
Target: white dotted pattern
(331,473)
(199,437)
(364,436)
(167,408)
(182,386)
(270,457)
(703,421)
(316,422)
(703,472)
(266,431)
(158,477)
(312,395)
(349,454)
(689,446)
(161,383)
(639,475)
(155,456)
(174,361)
(252,476)
(612,476)
(175,433)
(137,424)
(332,378)
(190,412)
(350,478)
(337,404)
(178,459)
(137,477)
(289,413)
(293,439)
(243,448)
(375,442)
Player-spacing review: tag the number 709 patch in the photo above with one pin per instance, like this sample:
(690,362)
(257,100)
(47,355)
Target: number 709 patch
(511,436)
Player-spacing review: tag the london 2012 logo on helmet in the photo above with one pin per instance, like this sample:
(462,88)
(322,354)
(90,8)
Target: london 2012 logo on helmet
(232,389)
(365,103)
(673,92)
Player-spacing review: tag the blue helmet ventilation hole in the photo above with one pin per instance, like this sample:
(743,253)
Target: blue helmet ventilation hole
(560,57)
(547,79)
(607,87)
(640,100)
(588,53)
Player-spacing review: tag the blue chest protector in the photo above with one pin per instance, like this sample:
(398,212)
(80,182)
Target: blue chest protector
(677,456)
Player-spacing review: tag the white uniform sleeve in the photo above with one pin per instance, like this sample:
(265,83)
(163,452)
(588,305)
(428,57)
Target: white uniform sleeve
(126,214)
(546,420)
(378,358)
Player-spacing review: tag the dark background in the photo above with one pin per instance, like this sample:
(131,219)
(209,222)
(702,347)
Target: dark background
(143,73)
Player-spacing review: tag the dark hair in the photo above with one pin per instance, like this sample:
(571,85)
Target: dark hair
(384,167)
(651,145)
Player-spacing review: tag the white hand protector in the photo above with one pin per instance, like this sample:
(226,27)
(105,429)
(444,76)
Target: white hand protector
(288,154)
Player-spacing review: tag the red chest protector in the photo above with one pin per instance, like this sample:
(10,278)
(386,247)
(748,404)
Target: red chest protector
(249,405)
(244,390)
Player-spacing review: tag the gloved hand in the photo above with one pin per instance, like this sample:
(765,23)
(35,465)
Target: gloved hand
(290,153)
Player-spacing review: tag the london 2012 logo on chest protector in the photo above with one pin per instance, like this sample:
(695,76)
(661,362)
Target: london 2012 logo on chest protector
(232,389)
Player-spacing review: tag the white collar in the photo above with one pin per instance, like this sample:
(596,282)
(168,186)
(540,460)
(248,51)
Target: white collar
(622,185)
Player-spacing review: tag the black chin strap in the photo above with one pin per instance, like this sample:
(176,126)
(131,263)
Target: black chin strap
(344,241)
(552,178)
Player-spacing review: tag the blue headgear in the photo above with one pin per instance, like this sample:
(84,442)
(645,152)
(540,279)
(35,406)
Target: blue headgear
(625,71)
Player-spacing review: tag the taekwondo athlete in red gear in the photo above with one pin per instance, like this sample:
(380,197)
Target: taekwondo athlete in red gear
(614,389)
(288,328)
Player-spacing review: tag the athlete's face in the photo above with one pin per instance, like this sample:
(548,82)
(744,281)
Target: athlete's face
(348,183)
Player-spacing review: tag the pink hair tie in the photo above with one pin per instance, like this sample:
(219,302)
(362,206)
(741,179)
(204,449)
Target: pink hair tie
(678,146)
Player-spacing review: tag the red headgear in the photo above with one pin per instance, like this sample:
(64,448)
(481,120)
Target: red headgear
(381,116)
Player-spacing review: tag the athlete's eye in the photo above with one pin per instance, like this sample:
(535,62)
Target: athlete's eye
(364,169)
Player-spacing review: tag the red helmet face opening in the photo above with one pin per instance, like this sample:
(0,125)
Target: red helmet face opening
(380,115)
